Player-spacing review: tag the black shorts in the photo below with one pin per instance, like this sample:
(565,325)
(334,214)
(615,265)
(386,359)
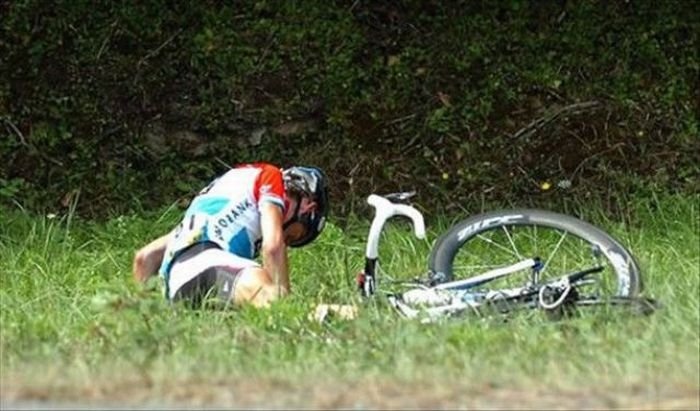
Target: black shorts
(212,288)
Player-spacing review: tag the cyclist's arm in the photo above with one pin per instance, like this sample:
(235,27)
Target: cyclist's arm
(147,260)
(273,249)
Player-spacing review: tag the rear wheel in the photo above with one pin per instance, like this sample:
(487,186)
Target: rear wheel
(559,243)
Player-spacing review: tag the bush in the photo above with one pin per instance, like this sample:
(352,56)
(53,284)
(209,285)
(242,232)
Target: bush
(133,105)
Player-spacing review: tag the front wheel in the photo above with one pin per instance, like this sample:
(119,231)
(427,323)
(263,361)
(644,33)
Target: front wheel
(561,244)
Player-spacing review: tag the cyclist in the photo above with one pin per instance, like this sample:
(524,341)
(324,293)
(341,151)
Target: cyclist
(252,208)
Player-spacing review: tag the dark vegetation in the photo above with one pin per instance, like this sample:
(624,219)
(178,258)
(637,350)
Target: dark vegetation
(120,106)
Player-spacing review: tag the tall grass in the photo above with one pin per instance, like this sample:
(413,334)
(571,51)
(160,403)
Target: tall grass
(72,316)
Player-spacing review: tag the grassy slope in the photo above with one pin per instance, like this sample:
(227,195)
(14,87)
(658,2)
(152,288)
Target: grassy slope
(73,326)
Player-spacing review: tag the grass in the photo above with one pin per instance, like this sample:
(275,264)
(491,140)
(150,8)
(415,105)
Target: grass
(75,327)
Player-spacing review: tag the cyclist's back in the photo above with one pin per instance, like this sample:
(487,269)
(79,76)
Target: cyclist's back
(226,213)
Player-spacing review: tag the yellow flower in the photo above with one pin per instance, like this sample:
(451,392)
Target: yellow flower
(546,186)
(445,176)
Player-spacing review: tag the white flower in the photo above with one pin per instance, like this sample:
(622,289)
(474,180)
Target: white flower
(564,184)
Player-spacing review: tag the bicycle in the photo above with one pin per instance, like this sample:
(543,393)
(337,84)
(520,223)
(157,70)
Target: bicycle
(568,262)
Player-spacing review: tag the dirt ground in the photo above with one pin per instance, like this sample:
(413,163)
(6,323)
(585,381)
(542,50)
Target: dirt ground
(271,393)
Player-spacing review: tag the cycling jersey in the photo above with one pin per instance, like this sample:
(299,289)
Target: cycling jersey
(227,213)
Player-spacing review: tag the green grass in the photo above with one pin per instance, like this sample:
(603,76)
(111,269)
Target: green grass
(72,318)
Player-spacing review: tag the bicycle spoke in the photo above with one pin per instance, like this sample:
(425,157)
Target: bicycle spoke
(497,245)
(510,240)
(551,255)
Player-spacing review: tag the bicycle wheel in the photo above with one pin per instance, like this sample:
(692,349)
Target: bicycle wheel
(561,245)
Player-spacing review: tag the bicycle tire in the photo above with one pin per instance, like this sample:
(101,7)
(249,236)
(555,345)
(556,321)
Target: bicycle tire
(460,235)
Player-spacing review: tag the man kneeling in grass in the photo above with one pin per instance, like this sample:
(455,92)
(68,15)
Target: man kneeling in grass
(252,208)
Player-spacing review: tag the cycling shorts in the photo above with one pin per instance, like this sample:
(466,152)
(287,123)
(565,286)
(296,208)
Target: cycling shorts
(206,272)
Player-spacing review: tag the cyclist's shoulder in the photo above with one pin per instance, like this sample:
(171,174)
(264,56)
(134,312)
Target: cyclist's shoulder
(264,173)
(268,169)
(257,179)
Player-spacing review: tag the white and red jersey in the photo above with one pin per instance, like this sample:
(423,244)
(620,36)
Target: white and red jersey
(227,212)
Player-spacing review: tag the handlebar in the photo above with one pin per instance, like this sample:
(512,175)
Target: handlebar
(386,209)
